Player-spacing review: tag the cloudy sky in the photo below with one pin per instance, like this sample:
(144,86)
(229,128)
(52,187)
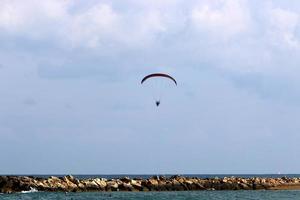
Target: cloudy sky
(71,99)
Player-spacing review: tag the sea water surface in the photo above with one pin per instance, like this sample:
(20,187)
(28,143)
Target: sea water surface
(183,195)
(146,176)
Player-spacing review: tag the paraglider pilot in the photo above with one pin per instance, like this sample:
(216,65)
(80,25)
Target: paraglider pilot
(157,103)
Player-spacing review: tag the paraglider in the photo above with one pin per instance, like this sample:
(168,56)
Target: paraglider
(158,86)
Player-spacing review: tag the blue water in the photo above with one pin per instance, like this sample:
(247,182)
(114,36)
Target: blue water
(145,176)
(188,195)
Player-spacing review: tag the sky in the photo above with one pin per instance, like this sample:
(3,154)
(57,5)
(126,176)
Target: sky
(72,103)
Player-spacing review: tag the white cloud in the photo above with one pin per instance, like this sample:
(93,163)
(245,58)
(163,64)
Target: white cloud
(91,26)
(140,23)
(224,18)
(31,17)
(283,25)
(102,23)
(156,3)
(95,26)
(196,29)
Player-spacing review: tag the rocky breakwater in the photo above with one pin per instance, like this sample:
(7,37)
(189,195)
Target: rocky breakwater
(10,184)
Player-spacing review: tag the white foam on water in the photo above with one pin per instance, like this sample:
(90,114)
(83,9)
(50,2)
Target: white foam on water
(31,190)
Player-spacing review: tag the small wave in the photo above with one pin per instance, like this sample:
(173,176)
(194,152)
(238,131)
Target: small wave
(30,191)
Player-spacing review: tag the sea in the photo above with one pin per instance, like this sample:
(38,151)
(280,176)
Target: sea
(180,195)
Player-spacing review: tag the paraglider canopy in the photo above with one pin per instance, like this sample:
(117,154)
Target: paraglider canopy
(160,79)
(158,75)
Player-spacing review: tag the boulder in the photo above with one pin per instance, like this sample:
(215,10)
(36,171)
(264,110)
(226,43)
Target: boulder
(90,185)
(245,186)
(125,179)
(112,185)
(126,187)
(137,184)
(70,178)
(177,186)
(101,183)
(70,185)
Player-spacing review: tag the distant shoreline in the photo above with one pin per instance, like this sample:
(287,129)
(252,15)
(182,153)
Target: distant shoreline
(69,183)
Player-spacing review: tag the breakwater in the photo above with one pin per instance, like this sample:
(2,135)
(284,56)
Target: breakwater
(11,184)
